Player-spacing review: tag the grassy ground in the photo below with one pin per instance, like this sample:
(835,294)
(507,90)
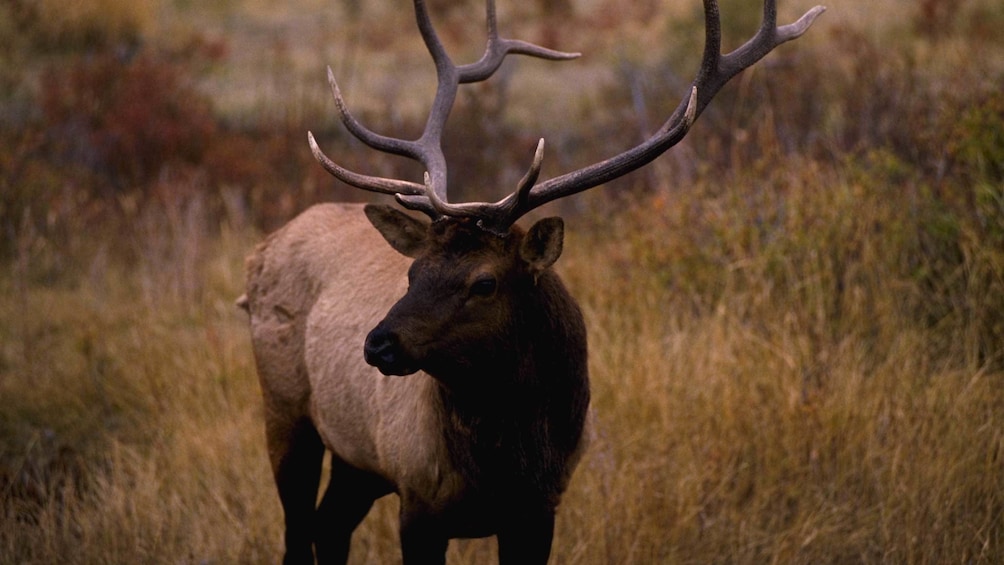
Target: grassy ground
(795,319)
(753,422)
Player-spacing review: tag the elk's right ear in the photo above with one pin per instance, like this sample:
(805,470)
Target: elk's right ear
(542,244)
(407,235)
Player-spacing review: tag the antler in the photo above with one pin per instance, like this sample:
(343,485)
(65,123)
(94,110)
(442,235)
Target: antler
(715,71)
(430,197)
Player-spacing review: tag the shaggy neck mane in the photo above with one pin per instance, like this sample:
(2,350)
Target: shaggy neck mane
(521,433)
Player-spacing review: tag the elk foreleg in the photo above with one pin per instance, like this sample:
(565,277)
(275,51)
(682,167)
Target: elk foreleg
(347,500)
(422,540)
(525,536)
(296,452)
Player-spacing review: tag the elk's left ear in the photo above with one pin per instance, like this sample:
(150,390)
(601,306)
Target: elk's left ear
(542,244)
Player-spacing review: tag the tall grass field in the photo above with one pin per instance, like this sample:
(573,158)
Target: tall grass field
(796,317)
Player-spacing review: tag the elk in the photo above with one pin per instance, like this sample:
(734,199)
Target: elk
(440,360)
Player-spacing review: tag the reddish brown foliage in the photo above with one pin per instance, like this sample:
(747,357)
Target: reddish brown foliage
(126,115)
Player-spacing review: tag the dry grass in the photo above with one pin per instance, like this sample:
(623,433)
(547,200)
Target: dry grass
(748,422)
(130,416)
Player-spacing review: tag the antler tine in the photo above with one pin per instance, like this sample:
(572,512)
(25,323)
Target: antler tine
(365,182)
(715,71)
(362,133)
(427,149)
(374,140)
(498,48)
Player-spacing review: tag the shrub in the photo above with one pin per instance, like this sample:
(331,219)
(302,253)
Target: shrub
(126,117)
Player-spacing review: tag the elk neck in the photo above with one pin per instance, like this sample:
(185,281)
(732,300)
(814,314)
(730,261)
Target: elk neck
(536,401)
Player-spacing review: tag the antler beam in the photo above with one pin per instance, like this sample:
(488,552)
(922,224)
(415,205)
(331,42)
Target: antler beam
(715,71)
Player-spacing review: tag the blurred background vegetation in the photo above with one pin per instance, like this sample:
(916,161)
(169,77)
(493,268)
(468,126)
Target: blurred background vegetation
(796,315)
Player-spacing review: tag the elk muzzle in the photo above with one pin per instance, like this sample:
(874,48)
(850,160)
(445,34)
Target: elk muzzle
(384,351)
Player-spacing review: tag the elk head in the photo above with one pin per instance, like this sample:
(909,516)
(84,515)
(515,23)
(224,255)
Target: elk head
(467,289)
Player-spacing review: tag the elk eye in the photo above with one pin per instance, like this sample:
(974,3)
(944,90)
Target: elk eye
(484,286)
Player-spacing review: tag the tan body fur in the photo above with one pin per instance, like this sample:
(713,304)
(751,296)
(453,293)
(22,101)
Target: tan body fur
(315,302)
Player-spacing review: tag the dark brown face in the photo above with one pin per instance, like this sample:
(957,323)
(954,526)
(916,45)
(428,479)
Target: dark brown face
(465,288)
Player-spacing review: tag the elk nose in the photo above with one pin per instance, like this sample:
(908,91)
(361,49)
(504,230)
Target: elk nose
(380,347)
(382,350)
